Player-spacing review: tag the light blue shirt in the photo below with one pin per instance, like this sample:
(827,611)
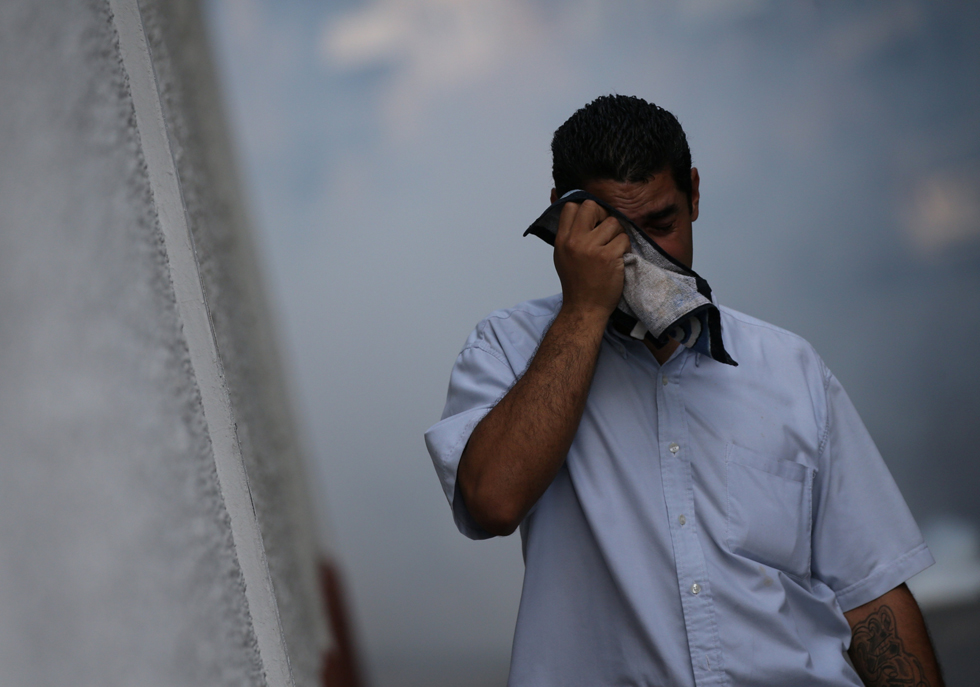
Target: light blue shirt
(710,524)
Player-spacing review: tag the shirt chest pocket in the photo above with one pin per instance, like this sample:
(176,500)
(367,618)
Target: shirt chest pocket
(769,510)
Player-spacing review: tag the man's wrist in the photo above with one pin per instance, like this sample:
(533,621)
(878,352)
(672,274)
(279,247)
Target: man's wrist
(584,318)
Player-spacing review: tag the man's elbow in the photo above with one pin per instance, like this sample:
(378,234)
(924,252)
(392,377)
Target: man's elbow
(499,524)
(497,515)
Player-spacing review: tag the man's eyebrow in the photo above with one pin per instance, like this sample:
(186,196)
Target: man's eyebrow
(658,215)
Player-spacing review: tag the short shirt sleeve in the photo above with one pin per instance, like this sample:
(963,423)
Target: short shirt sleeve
(865,541)
(480,378)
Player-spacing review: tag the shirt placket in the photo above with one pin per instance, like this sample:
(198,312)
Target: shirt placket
(678,483)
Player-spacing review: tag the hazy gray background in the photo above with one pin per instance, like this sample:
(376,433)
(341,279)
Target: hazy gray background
(396,149)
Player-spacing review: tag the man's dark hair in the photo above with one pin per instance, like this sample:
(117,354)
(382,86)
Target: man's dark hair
(622,138)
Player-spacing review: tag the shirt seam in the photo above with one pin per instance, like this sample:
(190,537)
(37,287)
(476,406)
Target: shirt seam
(507,313)
(481,342)
(482,345)
(825,435)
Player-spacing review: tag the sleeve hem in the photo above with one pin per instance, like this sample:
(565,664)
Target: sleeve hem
(885,579)
(446,460)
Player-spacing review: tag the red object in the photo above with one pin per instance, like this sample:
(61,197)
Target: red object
(340,666)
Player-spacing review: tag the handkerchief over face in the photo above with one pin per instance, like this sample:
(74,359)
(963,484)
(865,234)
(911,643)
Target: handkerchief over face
(662,299)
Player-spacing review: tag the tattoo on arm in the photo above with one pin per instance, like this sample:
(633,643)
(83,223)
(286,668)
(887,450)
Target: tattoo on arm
(879,654)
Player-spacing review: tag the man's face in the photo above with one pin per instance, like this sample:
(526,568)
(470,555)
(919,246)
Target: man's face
(657,207)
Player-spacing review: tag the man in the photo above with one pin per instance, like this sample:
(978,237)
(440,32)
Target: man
(684,521)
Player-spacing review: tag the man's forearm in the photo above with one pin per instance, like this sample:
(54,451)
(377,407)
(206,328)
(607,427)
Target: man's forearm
(516,451)
(890,645)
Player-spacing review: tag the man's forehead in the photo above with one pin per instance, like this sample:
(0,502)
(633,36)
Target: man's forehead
(637,199)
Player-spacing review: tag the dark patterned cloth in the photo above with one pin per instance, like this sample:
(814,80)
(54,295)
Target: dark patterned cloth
(662,299)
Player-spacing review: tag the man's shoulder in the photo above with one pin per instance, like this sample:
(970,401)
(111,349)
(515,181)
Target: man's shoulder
(749,337)
(530,318)
(753,326)
(534,309)
(513,334)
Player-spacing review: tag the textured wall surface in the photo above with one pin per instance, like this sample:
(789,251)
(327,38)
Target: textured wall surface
(118,563)
(239,317)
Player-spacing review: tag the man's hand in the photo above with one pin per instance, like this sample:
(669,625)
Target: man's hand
(889,642)
(518,448)
(589,248)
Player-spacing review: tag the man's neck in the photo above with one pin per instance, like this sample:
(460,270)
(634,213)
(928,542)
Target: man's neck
(662,354)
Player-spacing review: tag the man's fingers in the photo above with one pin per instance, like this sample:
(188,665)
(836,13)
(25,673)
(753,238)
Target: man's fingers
(607,230)
(621,244)
(565,219)
(617,247)
(578,219)
(589,250)
(589,215)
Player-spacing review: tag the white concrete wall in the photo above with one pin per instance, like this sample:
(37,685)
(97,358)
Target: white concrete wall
(154,527)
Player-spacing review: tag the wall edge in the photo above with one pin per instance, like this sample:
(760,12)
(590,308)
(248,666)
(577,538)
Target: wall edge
(193,313)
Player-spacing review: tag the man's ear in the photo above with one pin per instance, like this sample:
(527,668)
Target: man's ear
(554,196)
(695,192)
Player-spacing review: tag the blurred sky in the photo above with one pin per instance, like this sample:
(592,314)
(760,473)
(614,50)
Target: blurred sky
(395,150)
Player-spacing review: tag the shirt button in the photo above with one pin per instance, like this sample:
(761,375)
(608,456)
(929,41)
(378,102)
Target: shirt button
(673,448)
(665,381)
(695,589)
(682,520)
